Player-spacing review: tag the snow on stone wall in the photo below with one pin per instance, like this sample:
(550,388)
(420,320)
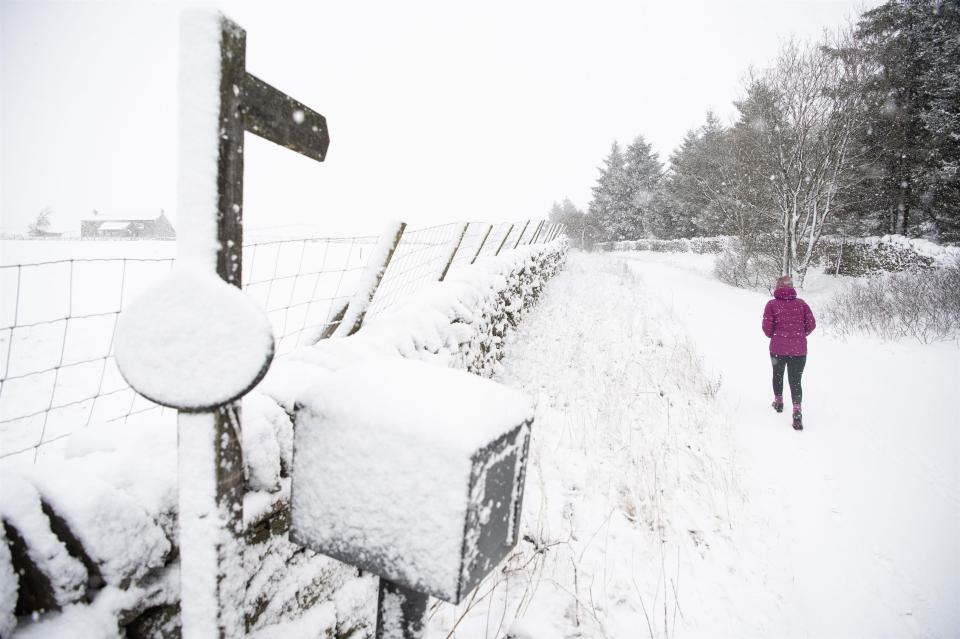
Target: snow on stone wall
(681,245)
(849,255)
(92,540)
(890,254)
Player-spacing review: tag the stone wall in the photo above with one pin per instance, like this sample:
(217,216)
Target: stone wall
(89,544)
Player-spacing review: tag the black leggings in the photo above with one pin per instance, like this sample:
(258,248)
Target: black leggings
(794,365)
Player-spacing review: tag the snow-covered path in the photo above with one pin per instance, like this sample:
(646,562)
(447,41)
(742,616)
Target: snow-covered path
(865,503)
(666,499)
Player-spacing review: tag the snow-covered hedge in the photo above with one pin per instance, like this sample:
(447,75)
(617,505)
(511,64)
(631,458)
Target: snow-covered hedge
(849,256)
(92,539)
(890,254)
(700,245)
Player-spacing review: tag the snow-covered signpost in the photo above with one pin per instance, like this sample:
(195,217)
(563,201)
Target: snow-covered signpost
(414,472)
(196,342)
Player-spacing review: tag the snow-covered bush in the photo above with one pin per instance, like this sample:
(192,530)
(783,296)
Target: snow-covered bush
(919,303)
(712,245)
(890,253)
(701,245)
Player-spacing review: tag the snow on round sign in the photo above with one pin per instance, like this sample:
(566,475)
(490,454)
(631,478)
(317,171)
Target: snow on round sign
(193,342)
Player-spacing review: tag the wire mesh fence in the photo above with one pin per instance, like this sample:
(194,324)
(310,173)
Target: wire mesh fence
(473,242)
(299,283)
(58,322)
(497,240)
(420,258)
(58,319)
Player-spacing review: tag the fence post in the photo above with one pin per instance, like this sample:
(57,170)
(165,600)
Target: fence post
(548,232)
(552,235)
(349,319)
(521,234)
(536,233)
(453,253)
(559,231)
(500,248)
(482,242)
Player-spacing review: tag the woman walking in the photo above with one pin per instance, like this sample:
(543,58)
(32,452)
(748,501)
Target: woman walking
(787,320)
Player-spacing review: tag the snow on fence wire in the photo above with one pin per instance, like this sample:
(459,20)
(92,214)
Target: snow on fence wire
(420,257)
(56,339)
(58,318)
(298,282)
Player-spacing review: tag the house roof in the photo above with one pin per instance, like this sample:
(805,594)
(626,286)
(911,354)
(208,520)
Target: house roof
(115,226)
(124,218)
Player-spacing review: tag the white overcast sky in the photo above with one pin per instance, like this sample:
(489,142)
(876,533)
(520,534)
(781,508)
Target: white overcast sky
(438,111)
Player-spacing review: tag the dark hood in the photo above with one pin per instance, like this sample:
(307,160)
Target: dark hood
(785,293)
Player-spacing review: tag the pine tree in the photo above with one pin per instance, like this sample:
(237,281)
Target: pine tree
(643,178)
(913,129)
(609,211)
(702,186)
(716,185)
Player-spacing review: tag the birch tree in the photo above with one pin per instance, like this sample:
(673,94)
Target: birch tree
(797,126)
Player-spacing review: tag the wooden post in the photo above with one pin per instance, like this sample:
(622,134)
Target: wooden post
(401,611)
(536,234)
(453,253)
(211,483)
(524,230)
(547,231)
(482,242)
(349,319)
(553,233)
(500,248)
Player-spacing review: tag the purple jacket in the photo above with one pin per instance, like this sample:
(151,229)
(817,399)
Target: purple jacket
(787,320)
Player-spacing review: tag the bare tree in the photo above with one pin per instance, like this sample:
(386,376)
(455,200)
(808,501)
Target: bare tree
(42,222)
(798,124)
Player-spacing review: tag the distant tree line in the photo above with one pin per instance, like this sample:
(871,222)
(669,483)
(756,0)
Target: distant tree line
(41,223)
(858,134)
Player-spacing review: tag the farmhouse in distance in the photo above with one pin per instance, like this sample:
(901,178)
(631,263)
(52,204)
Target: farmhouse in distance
(143,228)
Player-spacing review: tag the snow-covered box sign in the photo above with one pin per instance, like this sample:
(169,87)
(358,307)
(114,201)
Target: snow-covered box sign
(411,471)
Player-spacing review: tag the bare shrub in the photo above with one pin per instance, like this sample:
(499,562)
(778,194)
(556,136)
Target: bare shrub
(746,266)
(920,303)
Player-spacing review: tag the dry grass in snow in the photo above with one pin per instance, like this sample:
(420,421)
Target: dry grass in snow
(631,497)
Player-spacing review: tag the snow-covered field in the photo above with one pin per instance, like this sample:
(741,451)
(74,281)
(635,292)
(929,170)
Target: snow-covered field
(58,311)
(666,498)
